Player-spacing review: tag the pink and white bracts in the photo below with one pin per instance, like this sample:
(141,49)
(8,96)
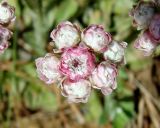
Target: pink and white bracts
(146,16)
(145,43)
(76,91)
(77,63)
(6,13)
(115,52)
(65,35)
(75,67)
(96,38)
(5,35)
(6,16)
(47,68)
(104,77)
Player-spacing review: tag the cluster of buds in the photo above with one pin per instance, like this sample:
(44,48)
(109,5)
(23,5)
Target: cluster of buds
(7,15)
(146,17)
(81,60)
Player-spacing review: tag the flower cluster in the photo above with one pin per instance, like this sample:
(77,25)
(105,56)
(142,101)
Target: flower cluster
(81,60)
(6,17)
(146,17)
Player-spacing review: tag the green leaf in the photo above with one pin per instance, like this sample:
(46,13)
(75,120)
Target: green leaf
(94,108)
(128,107)
(38,97)
(65,10)
(122,7)
(120,119)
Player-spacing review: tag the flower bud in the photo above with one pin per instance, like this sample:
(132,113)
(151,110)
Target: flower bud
(154,28)
(7,13)
(65,35)
(77,63)
(47,68)
(145,43)
(104,78)
(115,52)
(3,46)
(142,14)
(96,38)
(5,35)
(76,91)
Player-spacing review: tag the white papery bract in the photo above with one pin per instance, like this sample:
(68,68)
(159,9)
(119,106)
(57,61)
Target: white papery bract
(145,43)
(115,52)
(96,38)
(77,63)
(7,13)
(104,77)
(76,91)
(5,35)
(65,35)
(47,69)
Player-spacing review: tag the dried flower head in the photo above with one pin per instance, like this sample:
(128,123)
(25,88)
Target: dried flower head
(154,28)
(142,14)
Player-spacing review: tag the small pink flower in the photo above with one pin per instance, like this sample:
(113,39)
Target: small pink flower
(65,35)
(76,91)
(7,13)
(154,28)
(115,52)
(47,69)
(145,43)
(104,77)
(142,14)
(3,46)
(77,63)
(96,38)
(5,35)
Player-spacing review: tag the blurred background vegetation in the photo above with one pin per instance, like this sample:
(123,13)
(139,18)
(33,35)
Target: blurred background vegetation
(26,102)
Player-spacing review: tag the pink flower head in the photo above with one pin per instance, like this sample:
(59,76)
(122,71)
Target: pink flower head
(5,35)
(145,43)
(76,91)
(154,28)
(115,52)
(77,63)
(7,13)
(76,69)
(104,77)
(142,14)
(96,38)
(47,68)
(65,35)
